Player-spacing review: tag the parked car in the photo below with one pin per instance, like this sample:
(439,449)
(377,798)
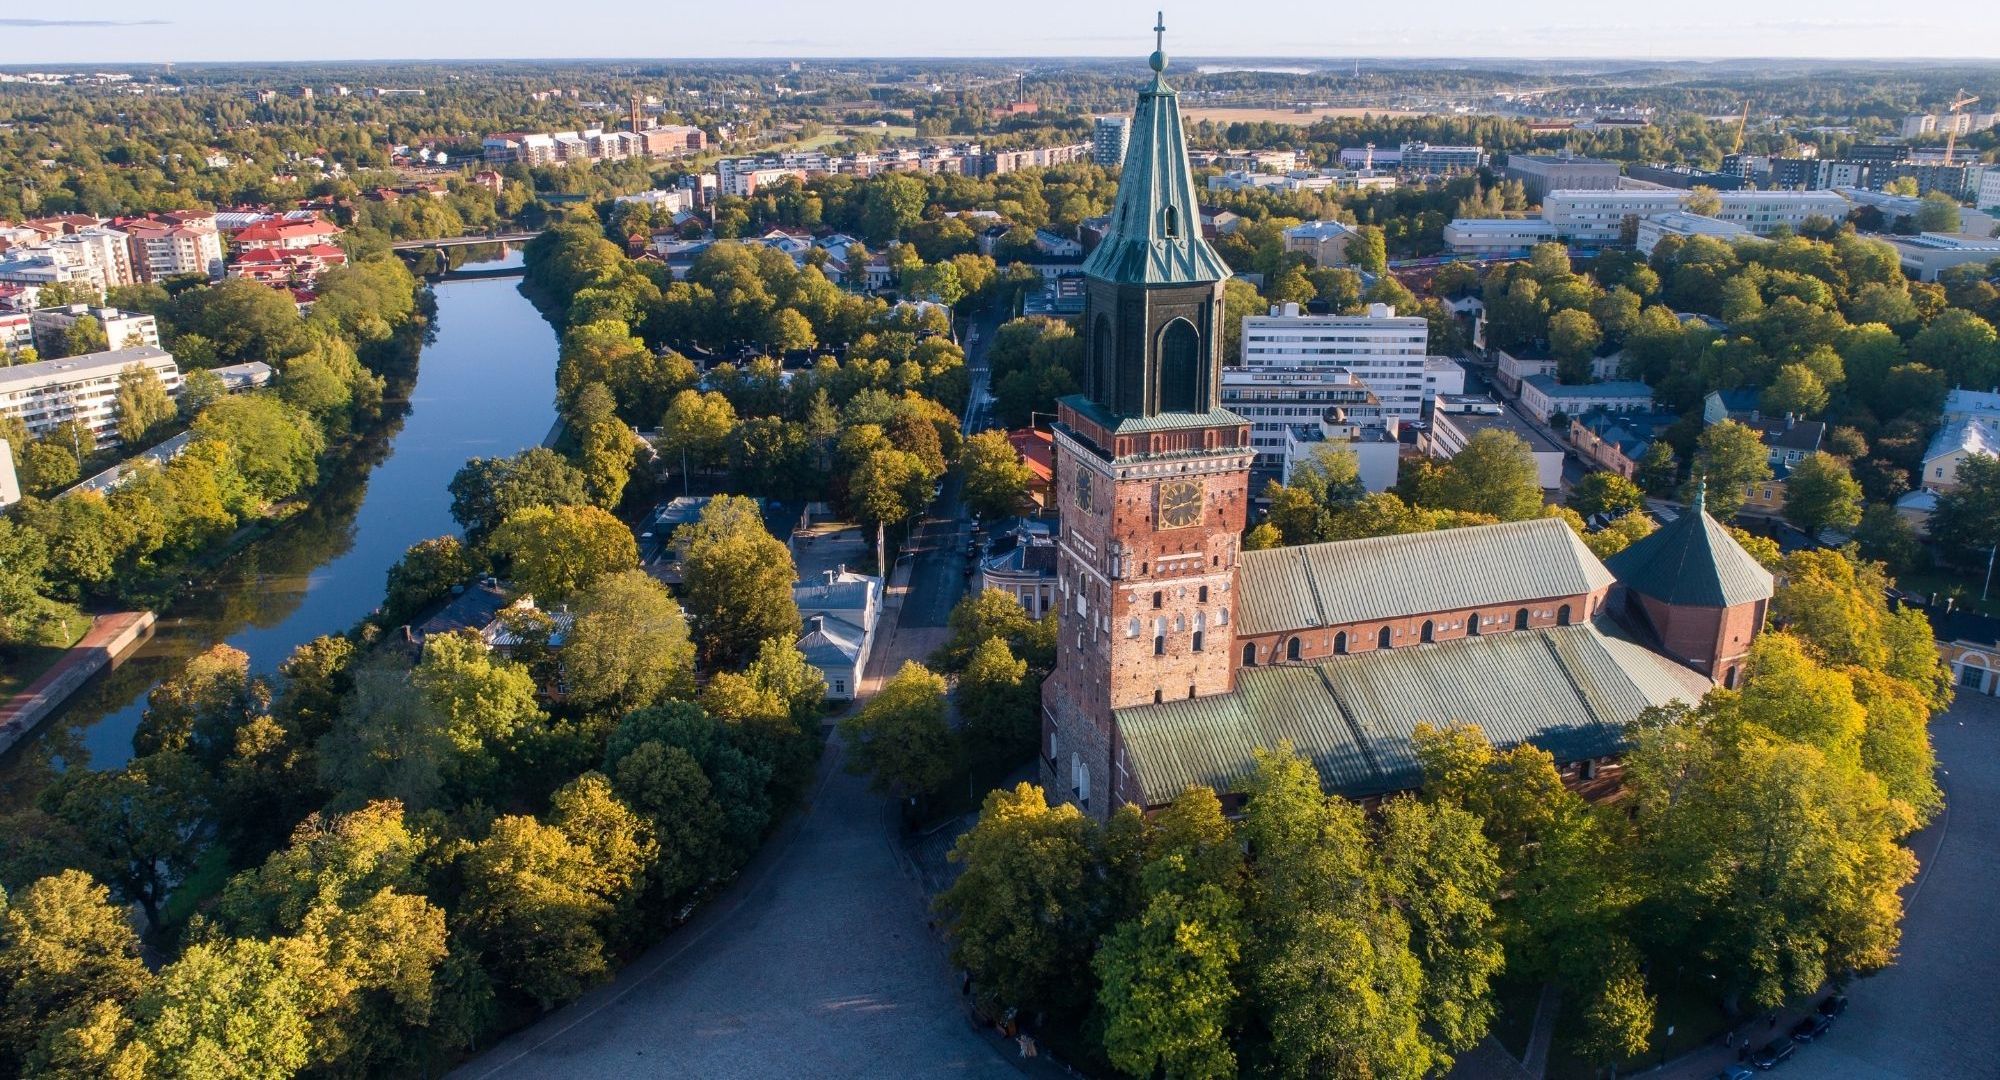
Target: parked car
(1812,1027)
(1734,1072)
(1833,1005)
(1774,1053)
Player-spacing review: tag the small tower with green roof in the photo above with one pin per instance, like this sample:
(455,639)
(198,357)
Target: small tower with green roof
(1701,594)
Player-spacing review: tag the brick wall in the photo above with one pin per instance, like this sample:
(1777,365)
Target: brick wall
(1319,642)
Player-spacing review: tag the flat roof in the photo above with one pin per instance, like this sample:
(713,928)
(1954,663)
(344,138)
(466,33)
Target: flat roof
(1469,423)
(74,367)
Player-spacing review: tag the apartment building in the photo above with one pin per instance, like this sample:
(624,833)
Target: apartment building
(1277,399)
(1421,157)
(174,244)
(1384,351)
(1325,242)
(1594,219)
(1591,220)
(1497,238)
(122,329)
(1765,212)
(82,388)
(1108,136)
(1679,223)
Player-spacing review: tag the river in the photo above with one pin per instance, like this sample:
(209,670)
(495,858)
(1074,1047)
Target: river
(485,386)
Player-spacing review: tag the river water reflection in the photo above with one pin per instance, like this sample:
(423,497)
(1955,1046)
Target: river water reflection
(485,386)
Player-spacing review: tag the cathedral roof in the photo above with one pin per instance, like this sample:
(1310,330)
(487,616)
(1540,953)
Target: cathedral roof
(1155,232)
(1692,561)
(1570,690)
(1387,577)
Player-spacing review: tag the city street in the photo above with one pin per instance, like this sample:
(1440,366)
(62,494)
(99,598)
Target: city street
(937,542)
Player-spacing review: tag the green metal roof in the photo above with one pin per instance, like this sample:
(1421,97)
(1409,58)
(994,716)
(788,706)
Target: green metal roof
(1385,577)
(1155,234)
(1570,690)
(1692,560)
(1141,425)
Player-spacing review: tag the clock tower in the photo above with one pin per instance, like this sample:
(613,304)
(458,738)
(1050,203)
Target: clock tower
(1155,474)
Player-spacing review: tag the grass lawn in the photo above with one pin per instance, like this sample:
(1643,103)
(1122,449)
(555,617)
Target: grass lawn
(26,663)
(205,880)
(1693,1015)
(1945,582)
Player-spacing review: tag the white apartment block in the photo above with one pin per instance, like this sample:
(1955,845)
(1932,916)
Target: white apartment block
(1384,351)
(1277,399)
(1988,197)
(17,331)
(1765,212)
(1322,180)
(1592,219)
(82,388)
(122,329)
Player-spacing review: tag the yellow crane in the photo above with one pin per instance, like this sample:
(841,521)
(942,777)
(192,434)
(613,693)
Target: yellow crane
(1951,133)
(1737,147)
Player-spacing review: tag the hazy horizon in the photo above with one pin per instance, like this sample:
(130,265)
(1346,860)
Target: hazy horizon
(129,32)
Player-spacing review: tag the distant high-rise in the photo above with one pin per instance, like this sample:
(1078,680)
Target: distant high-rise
(1108,138)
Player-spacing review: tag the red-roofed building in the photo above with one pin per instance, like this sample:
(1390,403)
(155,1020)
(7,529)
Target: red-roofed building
(285,234)
(1035,448)
(287,267)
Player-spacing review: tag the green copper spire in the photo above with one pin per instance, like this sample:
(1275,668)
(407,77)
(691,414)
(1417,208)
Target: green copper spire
(1155,235)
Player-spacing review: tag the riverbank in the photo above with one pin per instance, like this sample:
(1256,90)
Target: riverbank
(110,639)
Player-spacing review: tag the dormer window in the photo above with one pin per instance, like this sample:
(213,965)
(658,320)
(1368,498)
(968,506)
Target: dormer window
(1170,222)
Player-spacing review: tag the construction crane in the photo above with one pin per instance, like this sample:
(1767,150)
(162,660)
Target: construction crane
(1737,147)
(1951,133)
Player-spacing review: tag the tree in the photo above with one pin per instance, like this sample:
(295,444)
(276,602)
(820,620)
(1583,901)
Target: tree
(1573,337)
(64,948)
(1967,519)
(1820,494)
(666,785)
(1368,249)
(1240,299)
(1938,213)
(84,335)
(425,574)
(627,645)
(134,828)
(888,487)
(604,443)
(1166,975)
(1022,915)
(1325,483)
(998,704)
(487,490)
(553,551)
(996,480)
(1620,533)
(1797,391)
(1605,493)
(232,1007)
(24,611)
(899,739)
(977,618)
(1493,474)
(143,404)
(1729,457)
(1703,200)
(201,706)
(737,581)
(1439,868)
(1658,472)
(48,466)
(273,446)
(695,430)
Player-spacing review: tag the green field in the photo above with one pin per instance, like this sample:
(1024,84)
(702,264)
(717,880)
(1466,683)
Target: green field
(25,663)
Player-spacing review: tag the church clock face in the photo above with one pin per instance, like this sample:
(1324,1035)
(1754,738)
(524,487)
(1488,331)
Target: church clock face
(1083,489)
(1180,504)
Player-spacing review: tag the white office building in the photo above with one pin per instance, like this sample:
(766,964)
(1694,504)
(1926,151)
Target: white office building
(122,329)
(1497,238)
(1593,219)
(1765,212)
(1277,399)
(1680,223)
(83,388)
(1108,136)
(1384,351)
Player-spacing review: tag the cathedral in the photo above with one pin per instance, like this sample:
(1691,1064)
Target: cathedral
(1179,654)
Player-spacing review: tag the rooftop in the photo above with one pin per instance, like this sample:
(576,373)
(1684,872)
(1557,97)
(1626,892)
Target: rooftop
(1571,690)
(1314,585)
(1692,561)
(42,372)
(1548,385)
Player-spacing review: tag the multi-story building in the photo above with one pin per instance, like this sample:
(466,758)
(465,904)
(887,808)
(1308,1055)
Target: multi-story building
(1679,223)
(1314,181)
(1386,352)
(1591,220)
(173,244)
(1271,161)
(1324,241)
(1540,175)
(1277,399)
(1451,431)
(1964,123)
(122,329)
(1497,238)
(1420,157)
(1988,197)
(1594,219)
(81,388)
(1108,136)
(285,234)
(17,331)
(1543,397)
(1925,255)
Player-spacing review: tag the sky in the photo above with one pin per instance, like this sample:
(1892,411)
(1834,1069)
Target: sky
(149,31)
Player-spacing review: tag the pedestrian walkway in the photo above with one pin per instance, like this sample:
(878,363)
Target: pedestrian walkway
(107,641)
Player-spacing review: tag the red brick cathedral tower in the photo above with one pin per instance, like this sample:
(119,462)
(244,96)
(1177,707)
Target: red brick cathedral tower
(1154,473)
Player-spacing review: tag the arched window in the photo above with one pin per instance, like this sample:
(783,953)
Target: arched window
(1180,624)
(1292,649)
(1159,696)
(1159,598)
(1472,625)
(1340,643)
(1729,678)
(1170,221)
(1132,627)
(1222,617)
(1190,690)
(1159,644)
(1249,654)
(1180,371)
(1200,621)
(1562,615)
(1196,644)
(1429,627)
(1103,363)
(1521,619)
(1201,595)
(1382,639)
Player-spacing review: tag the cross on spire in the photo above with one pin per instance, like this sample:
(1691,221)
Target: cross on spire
(1159,57)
